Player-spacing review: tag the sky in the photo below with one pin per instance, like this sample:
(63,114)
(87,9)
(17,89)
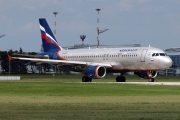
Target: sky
(146,22)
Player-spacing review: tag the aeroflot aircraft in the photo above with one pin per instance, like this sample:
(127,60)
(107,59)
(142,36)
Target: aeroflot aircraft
(95,63)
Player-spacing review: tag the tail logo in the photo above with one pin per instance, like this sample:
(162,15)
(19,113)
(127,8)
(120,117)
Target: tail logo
(47,37)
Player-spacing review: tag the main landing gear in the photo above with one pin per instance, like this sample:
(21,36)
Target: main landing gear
(86,79)
(120,79)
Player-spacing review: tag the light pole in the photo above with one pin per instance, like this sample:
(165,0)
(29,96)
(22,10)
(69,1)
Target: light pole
(98,27)
(55,14)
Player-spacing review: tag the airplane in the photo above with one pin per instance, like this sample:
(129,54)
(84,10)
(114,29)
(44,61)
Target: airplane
(96,63)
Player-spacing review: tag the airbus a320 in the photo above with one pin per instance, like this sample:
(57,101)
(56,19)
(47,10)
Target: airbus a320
(96,63)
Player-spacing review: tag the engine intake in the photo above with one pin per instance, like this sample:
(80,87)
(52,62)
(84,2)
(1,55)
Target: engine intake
(96,72)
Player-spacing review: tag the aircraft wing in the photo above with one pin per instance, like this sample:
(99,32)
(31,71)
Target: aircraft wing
(28,56)
(62,62)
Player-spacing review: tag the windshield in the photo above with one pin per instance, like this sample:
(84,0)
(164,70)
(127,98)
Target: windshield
(159,54)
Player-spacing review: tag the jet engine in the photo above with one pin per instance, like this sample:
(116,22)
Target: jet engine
(146,74)
(95,72)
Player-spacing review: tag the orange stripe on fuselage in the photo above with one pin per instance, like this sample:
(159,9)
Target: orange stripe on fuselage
(62,58)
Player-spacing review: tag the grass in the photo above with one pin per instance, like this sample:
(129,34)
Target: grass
(89,111)
(63,97)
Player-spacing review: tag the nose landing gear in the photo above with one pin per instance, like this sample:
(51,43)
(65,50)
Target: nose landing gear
(151,79)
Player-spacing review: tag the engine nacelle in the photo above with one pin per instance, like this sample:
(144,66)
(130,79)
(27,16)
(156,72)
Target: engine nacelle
(146,74)
(96,72)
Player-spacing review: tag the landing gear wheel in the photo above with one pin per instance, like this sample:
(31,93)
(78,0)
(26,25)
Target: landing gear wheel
(123,79)
(89,79)
(86,79)
(120,79)
(151,79)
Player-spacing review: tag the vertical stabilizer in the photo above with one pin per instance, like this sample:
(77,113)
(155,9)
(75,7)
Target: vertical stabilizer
(49,41)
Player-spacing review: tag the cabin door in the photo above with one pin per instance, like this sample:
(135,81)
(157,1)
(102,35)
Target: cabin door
(143,54)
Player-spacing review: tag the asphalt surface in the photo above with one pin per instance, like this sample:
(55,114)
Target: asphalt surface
(153,83)
(139,83)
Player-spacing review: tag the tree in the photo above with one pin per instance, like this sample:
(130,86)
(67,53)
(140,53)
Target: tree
(20,51)
(16,66)
(4,62)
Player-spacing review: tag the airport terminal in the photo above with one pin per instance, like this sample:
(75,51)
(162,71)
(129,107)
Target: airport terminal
(176,61)
(175,68)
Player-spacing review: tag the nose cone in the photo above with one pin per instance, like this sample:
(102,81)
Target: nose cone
(167,62)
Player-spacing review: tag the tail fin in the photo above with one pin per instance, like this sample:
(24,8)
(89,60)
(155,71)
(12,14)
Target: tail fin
(49,41)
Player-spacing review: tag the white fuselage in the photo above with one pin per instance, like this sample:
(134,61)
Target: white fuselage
(132,58)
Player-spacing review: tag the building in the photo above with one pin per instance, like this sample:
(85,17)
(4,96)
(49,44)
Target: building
(176,61)
(175,68)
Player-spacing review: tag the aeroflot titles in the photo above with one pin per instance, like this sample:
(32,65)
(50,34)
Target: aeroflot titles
(128,50)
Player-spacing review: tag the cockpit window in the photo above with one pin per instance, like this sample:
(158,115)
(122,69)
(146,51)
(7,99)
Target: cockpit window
(157,54)
(162,54)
